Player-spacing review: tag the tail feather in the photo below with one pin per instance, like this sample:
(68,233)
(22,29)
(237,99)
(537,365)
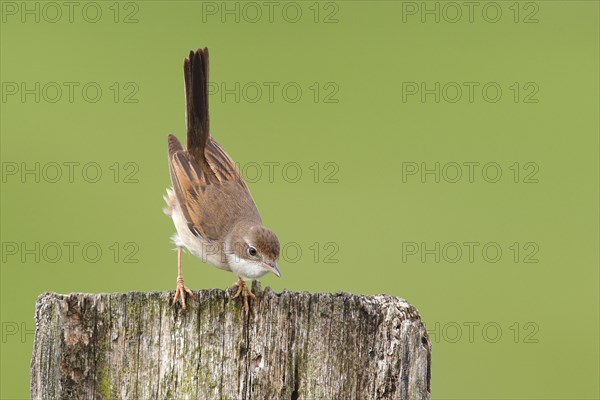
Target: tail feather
(196,88)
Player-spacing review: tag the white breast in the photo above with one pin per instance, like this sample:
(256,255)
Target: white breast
(246,269)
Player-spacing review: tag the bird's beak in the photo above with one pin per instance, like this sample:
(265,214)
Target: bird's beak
(272,266)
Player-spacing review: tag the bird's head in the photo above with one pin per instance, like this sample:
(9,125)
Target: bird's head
(254,250)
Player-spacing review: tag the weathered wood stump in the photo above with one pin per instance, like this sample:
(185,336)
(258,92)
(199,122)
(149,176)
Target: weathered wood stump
(292,345)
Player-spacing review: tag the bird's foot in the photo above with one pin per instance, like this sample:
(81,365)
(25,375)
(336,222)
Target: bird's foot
(243,289)
(181,291)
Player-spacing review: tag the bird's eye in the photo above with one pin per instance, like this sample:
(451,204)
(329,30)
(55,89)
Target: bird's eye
(252,251)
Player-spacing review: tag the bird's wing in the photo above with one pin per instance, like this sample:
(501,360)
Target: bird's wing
(189,182)
(222,186)
(222,166)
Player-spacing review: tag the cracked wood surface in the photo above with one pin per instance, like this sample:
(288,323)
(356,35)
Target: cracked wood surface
(293,345)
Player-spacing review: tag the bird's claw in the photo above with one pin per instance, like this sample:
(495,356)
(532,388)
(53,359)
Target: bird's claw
(242,288)
(180,292)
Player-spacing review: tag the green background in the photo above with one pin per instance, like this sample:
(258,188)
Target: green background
(366,50)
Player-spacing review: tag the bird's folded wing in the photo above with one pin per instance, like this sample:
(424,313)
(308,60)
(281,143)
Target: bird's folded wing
(217,181)
(189,185)
(221,165)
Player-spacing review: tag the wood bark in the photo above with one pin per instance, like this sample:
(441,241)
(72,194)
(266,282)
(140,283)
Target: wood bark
(291,345)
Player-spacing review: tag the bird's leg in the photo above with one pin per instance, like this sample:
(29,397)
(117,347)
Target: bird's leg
(243,289)
(181,289)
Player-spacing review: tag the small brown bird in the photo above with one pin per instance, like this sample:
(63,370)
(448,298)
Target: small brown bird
(214,214)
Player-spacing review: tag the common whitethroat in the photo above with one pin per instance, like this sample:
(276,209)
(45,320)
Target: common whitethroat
(214,214)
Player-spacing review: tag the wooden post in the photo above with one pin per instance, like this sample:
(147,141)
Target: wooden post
(292,345)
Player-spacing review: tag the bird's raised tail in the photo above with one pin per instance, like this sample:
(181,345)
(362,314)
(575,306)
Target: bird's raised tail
(195,70)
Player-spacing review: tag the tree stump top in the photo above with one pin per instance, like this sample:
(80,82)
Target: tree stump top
(292,345)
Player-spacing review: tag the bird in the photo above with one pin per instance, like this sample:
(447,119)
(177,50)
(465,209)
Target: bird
(215,216)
